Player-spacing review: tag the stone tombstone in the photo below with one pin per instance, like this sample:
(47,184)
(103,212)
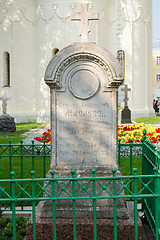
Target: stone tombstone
(84,80)
(126,112)
(7,123)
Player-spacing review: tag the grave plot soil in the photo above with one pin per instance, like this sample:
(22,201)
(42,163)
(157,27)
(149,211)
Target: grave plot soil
(21,227)
(147,232)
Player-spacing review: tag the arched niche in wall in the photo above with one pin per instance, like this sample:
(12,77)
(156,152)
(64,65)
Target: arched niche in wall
(6,69)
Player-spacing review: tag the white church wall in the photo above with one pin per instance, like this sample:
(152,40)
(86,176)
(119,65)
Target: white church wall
(137,21)
(33,28)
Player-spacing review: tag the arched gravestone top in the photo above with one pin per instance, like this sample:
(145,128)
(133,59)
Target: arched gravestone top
(89,52)
(84,80)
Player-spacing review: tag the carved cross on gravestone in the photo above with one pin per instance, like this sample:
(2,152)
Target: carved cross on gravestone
(125,89)
(84,16)
(4,100)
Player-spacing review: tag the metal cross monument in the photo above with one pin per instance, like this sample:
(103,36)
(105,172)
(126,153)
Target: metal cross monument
(84,16)
(125,89)
(4,100)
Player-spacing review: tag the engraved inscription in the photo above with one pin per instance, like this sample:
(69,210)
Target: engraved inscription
(81,113)
(84,132)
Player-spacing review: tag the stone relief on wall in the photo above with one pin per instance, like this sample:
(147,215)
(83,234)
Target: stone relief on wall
(15,13)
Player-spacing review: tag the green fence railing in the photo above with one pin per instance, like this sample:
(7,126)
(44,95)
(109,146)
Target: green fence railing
(150,160)
(21,152)
(22,158)
(19,156)
(88,186)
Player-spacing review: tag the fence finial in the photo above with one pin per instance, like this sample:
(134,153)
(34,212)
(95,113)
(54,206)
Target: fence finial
(144,134)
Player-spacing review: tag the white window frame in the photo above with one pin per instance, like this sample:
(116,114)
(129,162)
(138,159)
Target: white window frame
(121,60)
(158,78)
(158,60)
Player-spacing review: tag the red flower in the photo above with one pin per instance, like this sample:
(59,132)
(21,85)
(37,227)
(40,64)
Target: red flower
(48,140)
(153,140)
(46,137)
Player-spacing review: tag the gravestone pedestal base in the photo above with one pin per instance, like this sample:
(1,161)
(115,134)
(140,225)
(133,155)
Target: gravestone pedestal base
(84,228)
(126,115)
(104,207)
(7,123)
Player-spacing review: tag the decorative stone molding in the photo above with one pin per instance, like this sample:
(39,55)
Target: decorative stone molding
(21,13)
(53,76)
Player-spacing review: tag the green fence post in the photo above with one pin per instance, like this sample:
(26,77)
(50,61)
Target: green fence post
(135,205)
(33,146)
(13,204)
(143,145)
(143,162)
(10,155)
(0,186)
(21,142)
(33,205)
(44,160)
(156,204)
(130,152)
(119,153)
(54,206)
(114,204)
(73,172)
(94,205)
(10,163)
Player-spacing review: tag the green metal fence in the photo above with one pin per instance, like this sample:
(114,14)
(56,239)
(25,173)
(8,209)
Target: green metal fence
(150,160)
(151,206)
(84,185)
(20,151)
(22,158)
(148,183)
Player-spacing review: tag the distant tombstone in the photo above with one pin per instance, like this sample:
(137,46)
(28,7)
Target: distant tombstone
(126,112)
(84,81)
(7,123)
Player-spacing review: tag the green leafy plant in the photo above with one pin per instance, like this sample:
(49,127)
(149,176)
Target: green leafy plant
(3,238)
(8,231)
(2,222)
(6,228)
(22,231)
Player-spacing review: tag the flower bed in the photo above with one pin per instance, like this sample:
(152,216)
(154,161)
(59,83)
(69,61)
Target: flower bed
(134,133)
(127,134)
(46,137)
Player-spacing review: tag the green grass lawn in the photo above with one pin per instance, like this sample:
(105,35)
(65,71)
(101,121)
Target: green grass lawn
(125,166)
(16,163)
(136,163)
(23,170)
(21,128)
(148,120)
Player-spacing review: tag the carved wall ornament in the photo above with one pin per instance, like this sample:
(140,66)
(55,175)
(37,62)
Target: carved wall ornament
(23,10)
(55,81)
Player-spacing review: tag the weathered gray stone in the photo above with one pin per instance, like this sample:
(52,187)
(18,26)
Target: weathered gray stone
(126,112)
(4,100)
(84,81)
(7,123)
(126,115)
